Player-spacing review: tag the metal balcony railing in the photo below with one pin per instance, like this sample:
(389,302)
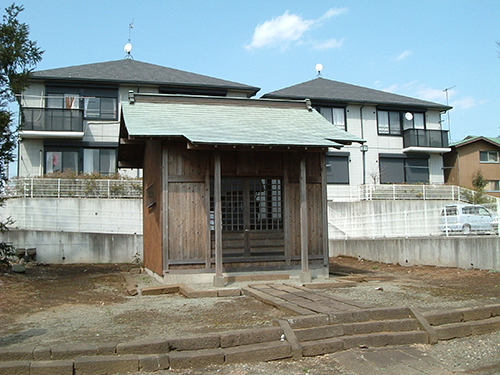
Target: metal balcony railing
(52,119)
(425,138)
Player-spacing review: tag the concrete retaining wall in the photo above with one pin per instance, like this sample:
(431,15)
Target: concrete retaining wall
(387,218)
(89,215)
(72,247)
(482,252)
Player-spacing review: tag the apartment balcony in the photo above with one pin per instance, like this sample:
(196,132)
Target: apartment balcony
(428,141)
(51,123)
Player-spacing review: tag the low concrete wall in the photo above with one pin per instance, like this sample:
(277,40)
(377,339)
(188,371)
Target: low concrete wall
(77,247)
(482,252)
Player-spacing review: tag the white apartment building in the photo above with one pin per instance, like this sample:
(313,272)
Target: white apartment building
(404,138)
(70,117)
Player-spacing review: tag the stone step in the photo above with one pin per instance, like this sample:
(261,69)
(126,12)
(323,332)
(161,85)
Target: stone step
(338,330)
(264,351)
(296,337)
(436,318)
(470,328)
(346,317)
(245,346)
(371,340)
(143,347)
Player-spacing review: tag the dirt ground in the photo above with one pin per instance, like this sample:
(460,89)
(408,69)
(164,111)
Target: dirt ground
(56,304)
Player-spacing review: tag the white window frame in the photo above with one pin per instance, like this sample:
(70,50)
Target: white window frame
(488,158)
(493,186)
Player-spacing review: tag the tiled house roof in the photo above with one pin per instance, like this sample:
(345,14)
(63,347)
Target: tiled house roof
(224,121)
(129,71)
(321,89)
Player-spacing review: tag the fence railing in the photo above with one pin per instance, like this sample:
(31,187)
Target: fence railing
(402,222)
(402,192)
(36,187)
(72,188)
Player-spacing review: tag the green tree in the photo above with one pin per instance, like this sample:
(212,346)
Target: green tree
(479,184)
(18,58)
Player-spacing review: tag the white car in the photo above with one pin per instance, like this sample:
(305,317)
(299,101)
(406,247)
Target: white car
(466,218)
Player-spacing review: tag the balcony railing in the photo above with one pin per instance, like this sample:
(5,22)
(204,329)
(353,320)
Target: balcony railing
(52,119)
(425,138)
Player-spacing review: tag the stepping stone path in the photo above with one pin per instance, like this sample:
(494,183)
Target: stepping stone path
(301,300)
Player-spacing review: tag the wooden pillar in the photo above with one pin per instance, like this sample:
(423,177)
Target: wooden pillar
(324,213)
(164,207)
(208,249)
(305,274)
(218,278)
(286,213)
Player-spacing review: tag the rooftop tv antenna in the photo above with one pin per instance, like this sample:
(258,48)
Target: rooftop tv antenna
(128,46)
(319,68)
(448,111)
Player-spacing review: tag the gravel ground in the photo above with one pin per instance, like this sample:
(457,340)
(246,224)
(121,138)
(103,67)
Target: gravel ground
(52,305)
(477,355)
(140,318)
(422,298)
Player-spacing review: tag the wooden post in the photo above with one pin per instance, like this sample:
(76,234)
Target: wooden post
(218,278)
(305,274)
(164,206)
(285,212)
(208,244)
(324,212)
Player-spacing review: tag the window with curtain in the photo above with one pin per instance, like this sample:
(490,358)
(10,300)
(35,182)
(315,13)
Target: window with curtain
(336,115)
(393,122)
(61,161)
(99,161)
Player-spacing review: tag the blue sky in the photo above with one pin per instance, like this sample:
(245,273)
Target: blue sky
(413,48)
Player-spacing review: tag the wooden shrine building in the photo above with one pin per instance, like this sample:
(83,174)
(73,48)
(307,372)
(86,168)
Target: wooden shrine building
(230,184)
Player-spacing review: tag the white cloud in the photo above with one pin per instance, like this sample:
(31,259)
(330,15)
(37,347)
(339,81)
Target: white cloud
(418,90)
(415,89)
(393,88)
(328,44)
(404,55)
(433,95)
(464,103)
(332,12)
(289,28)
